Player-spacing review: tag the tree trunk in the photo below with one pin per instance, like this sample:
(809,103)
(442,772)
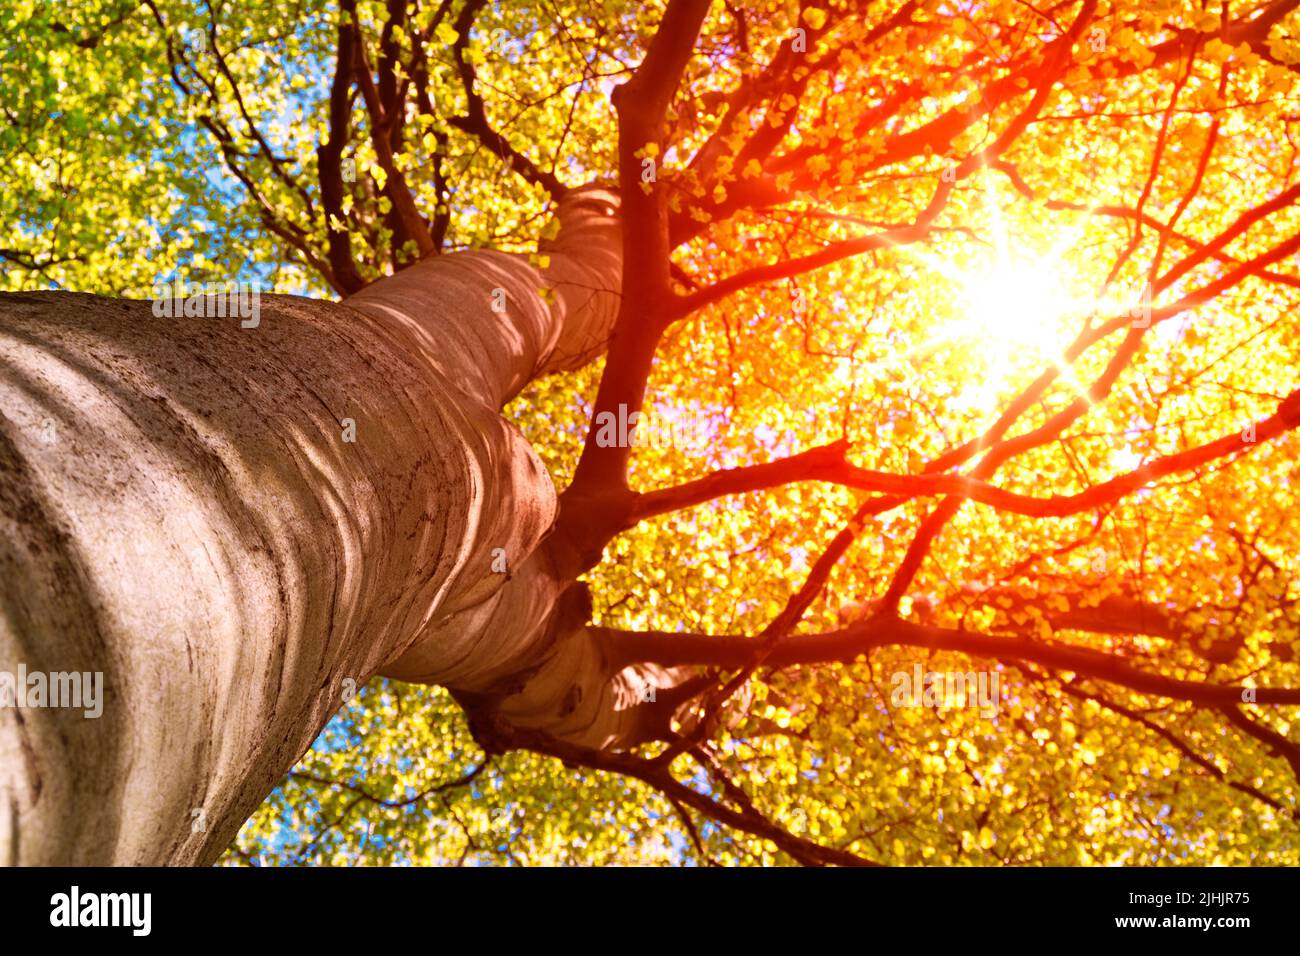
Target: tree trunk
(183,511)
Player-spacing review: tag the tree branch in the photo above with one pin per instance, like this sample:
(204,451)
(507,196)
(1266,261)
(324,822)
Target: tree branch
(900,235)
(678,649)
(329,157)
(826,463)
(476,123)
(647,294)
(413,227)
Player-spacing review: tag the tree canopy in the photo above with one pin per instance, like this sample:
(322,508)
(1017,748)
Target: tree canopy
(970,342)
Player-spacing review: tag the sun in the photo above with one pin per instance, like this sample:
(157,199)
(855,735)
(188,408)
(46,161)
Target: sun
(1013,314)
(1015,306)
(1012,308)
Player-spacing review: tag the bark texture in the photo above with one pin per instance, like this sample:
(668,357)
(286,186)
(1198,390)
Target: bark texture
(180,510)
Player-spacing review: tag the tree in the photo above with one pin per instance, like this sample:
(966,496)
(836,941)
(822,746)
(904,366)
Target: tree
(867,341)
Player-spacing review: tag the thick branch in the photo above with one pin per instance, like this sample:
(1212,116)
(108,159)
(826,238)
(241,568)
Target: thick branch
(642,102)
